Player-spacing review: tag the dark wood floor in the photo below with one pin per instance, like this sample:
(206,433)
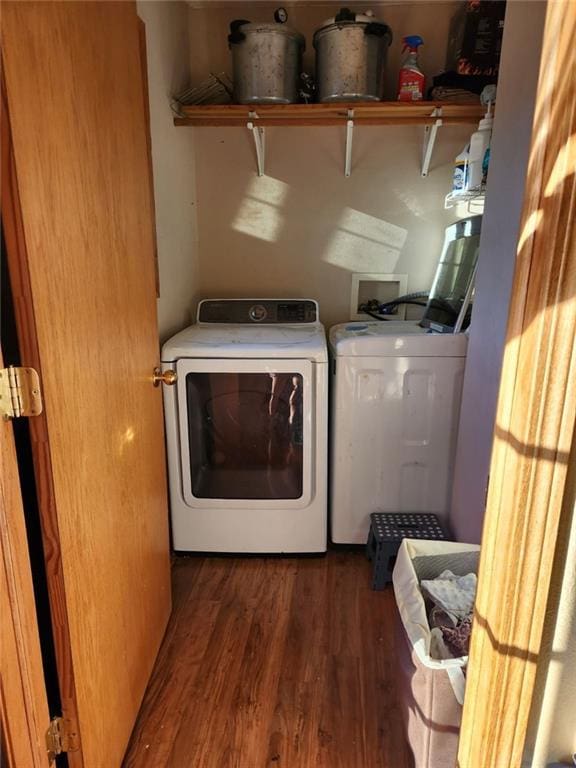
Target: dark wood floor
(287,663)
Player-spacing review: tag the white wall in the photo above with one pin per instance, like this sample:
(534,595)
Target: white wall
(303,229)
(508,163)
(173,163)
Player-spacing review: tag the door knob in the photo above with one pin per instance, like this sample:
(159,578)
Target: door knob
(168,377)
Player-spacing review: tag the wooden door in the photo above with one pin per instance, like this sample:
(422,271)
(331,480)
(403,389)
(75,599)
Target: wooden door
(76,206)
(532,475)
(23,703)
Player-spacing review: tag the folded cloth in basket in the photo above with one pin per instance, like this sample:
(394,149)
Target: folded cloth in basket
(457,639)
(453,594)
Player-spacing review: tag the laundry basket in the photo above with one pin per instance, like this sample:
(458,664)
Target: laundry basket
(431,691)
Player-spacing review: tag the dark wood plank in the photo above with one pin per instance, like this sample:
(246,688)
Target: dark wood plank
(276,663)
(294,732)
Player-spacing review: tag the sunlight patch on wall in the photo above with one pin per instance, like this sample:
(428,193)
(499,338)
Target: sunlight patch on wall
(411,201)
(364,243)
(259,214)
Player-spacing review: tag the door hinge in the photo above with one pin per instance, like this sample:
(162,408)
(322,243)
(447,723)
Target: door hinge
(19,392)
(60,737)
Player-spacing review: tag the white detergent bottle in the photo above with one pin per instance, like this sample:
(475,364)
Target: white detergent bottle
(480,143)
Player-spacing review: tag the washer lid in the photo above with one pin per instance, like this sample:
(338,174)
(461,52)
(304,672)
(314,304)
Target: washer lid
(305,342)
(400,338)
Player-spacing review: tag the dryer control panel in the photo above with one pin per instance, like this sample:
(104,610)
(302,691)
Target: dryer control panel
(258,311)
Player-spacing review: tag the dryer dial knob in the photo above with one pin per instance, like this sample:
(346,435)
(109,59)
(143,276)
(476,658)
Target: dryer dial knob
(258,313)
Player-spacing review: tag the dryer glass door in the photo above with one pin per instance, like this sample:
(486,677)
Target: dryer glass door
(245,429)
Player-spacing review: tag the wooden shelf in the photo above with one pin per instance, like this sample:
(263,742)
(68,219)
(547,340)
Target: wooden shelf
(256,117)
(364,113)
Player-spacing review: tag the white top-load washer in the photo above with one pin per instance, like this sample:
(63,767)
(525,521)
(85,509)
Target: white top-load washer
(396,390)
(246,426)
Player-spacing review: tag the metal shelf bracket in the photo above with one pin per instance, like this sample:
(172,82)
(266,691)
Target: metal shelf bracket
(430,133)
(349,140)
(259,142)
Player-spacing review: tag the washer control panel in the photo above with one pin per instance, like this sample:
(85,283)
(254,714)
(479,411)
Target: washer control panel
(258,311)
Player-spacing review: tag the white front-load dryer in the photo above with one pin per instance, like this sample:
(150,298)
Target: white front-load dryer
(396,391)
(246,427)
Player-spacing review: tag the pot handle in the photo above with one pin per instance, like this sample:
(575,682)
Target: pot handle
(345,14)
(378,29)
(236,35)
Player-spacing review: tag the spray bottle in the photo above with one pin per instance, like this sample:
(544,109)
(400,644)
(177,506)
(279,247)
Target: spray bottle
(411,79)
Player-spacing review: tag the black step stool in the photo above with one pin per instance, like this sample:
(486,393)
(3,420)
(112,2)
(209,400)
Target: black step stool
(387,529)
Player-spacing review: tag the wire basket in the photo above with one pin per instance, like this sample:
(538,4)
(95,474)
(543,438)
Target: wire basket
(216,89)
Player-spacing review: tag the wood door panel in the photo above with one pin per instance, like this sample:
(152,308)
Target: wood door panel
(84,189)
(24,312)
(532,483)
(23,703)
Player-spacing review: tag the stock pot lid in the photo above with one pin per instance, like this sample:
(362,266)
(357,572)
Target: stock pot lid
(346,18)
(239,29)
(345,15)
